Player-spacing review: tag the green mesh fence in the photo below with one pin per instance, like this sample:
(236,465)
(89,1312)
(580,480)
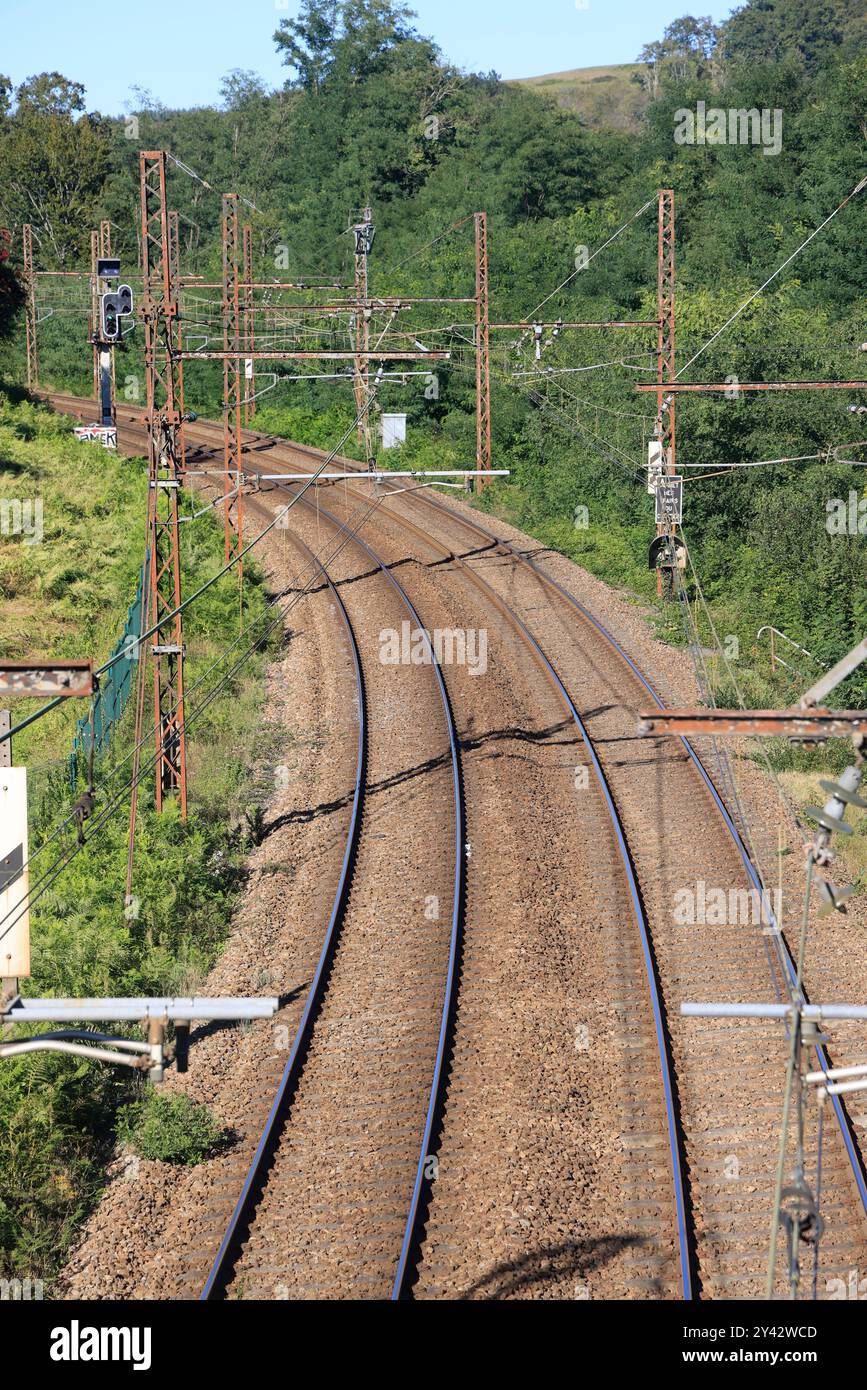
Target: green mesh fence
(115,688)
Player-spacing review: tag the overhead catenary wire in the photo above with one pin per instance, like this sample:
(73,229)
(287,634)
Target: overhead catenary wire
(48,877)
(771,278)
(182,607)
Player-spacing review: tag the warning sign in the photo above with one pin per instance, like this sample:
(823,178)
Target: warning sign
(655,465)
(14,874)
(669,501)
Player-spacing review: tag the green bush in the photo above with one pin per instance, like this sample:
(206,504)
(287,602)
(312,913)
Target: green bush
(169,1129)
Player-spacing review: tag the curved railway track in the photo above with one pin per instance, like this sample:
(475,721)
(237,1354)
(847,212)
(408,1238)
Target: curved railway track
(698,1124)
(243,1256)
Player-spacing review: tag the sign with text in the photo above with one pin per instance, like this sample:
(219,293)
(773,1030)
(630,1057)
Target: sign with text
(669,501)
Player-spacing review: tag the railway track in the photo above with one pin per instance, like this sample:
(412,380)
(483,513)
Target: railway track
(697,1119)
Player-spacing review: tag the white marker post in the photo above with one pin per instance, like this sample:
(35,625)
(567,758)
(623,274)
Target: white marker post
(14,878)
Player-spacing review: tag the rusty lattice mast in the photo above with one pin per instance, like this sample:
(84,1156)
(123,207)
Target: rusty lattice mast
(483,352)
(30,308)
(249,325)
(666,423)
(232,504)
(175,263)
(160,314)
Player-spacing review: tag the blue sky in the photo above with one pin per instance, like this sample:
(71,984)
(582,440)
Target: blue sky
(179,49)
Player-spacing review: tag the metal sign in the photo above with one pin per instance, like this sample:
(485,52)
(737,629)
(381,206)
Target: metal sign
(24,679)
(106,435)
(669,501)
(108,269)
(14,875)
(655,465)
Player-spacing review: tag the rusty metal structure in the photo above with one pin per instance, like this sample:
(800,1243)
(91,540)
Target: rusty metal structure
(363,242)
(175,260)
(93,325)
(232,503)
(30,308)
(483,352)
(697,388)
(160,314)
(249,324)
(666,423)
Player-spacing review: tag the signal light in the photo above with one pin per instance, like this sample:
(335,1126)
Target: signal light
(112,307)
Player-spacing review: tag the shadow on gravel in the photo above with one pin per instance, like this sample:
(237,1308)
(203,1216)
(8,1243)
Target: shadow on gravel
(305,814)
(208,1030)
(575,1259)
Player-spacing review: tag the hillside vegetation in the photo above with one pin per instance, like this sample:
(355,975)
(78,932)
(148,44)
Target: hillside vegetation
(65,594)
(373,113)
(613,98)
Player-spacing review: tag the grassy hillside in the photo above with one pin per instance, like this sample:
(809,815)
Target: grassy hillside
(65,594)
(605,98)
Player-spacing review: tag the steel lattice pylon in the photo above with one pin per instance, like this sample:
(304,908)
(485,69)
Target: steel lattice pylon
(160,315)
(94,309)
(249,327)
(666,356)
(362,334)
(232,507)
(175,263)
(483,352)
(666,421)
(30,308)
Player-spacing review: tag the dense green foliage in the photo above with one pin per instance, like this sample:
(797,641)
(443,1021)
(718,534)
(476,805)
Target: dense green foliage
(372,113)
(61,597)
(168,1129)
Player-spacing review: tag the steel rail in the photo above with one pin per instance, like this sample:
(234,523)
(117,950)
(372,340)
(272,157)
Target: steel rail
(674,1136)
(844,1124)
(222,1265)
(404,1265)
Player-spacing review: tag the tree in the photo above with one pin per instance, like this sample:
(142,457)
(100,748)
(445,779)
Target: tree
(688,48)
(346,36)
(240,88)
(768,31)
(308,42)
(49,94)
(53,166)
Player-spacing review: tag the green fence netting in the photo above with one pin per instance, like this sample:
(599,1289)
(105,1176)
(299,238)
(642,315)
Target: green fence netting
(115,687)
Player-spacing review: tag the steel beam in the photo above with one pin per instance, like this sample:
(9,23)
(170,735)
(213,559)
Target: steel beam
(807,724)
(319,356)
(29,679)
(175,260)
(605,323)
(249,324)
(666,431)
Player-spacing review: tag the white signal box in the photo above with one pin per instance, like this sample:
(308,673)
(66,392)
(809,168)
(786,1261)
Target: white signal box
(14,875)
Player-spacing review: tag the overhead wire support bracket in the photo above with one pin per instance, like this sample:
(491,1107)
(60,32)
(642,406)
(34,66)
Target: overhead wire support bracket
(154,1015)
(807,725)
